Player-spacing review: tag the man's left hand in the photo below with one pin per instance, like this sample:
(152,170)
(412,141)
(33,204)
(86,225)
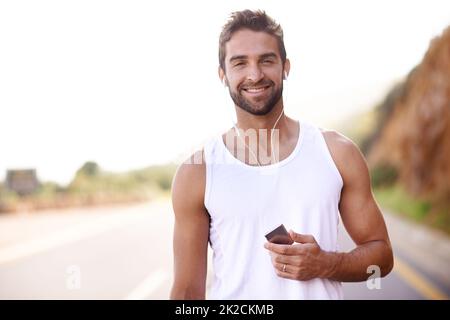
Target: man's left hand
(303,260)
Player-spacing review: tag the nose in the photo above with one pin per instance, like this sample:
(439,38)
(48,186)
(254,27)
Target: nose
(255,74)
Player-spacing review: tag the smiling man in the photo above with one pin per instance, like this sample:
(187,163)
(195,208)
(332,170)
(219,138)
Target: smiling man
(236,194)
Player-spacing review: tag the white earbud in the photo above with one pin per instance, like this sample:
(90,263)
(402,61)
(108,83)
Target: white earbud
(237,130)
(285,75)
(224,82)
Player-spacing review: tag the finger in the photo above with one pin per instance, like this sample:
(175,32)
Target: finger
(283,267)
(283,259)
(284,249)
(286,273)
(301,238)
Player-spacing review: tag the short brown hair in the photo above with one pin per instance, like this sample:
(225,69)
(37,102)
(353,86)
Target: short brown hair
(255,21)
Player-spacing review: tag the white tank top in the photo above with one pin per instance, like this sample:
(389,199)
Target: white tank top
(245,202)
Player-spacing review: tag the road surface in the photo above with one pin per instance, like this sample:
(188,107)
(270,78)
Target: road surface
(125,252)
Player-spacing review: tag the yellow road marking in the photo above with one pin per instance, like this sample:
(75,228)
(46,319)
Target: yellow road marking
(419,283)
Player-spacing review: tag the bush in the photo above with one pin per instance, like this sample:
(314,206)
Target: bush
(383,175)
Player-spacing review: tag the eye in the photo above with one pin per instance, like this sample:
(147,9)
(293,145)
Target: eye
(267,61)
(239,64)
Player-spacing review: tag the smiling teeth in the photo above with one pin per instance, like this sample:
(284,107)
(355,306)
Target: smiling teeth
(255,90)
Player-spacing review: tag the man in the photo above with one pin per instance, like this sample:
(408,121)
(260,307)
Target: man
(233,202)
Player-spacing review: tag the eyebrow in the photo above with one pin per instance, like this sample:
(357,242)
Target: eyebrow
(268,55)
(263,56)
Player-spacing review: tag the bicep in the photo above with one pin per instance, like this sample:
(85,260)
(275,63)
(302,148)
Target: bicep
(359,211)
(191,231)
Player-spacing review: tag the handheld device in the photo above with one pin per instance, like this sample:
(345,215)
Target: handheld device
(279,235)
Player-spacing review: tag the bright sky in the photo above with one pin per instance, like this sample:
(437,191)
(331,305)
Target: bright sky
(134,83)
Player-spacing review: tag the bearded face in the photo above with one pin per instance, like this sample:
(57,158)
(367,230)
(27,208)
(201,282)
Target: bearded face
(257,98)
(253,71)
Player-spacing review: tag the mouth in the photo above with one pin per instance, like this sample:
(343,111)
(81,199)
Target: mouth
(256,90)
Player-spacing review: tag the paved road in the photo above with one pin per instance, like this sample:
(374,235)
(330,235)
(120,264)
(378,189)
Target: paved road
(125,253)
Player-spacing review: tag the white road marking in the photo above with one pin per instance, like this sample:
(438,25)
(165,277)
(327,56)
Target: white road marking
(153,282)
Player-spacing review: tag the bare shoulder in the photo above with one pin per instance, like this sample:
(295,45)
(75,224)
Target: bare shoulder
(192,168)
(345,153)
(337,141)
(188,185)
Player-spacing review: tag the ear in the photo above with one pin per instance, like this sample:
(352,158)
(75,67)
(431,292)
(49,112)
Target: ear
(286,69)
(222,76)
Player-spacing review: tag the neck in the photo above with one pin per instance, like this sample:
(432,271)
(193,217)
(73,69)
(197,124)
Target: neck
(274,119)
(250,126)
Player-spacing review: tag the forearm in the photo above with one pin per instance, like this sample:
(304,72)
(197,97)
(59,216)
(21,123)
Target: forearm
(352,266)
(187,293)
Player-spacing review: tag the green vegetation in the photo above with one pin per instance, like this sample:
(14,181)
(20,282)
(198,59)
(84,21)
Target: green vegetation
(383,175)
(8,199)
(93,186)
(399,201)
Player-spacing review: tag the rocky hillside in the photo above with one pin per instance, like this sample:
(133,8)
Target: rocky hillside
(413,134)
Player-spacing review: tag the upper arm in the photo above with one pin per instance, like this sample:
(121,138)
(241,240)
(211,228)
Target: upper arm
(360,213)
(191,231)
